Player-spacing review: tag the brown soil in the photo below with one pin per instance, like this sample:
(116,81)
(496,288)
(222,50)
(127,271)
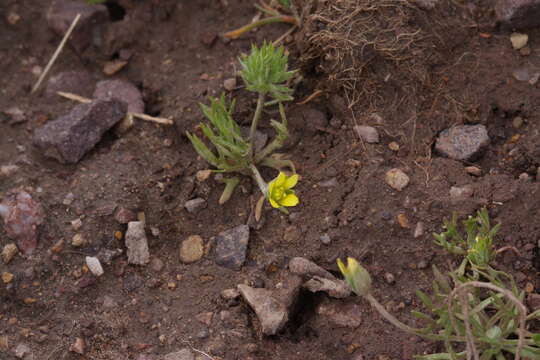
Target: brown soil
(467,78)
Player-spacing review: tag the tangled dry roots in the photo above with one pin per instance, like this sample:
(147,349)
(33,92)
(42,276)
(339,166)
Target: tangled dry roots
(347,37)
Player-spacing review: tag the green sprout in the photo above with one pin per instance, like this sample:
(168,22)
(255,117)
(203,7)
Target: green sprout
(476,311)
(264,71)
(94,2)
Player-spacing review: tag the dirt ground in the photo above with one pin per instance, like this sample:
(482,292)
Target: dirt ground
(468,77)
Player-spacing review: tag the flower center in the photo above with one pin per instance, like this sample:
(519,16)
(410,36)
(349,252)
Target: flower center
(279,194)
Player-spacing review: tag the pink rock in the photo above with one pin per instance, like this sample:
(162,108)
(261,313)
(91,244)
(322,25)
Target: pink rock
(22,217)
(518,14)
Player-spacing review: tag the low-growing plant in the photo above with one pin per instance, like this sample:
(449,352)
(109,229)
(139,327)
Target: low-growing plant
(265,72)
(475,310)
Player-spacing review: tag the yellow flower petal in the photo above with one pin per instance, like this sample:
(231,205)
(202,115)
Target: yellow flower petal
(273,203)
(342,267)
(290,200)
(280,180)
(352,264)
(291,181)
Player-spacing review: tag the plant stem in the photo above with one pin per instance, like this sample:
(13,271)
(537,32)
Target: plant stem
(235,34)
(391,319)
(254,124)
(230,185)
(263,186)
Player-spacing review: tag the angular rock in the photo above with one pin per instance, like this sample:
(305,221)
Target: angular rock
(22,217)
(77,82)
(462,142)
(106,256)
(367,133)
(271,313)
(195,205)
(318,279)
(232,246)
(94,265)
(8,170)
(192,249)
(137,244)
(518,40)
(89,28)
(518,14)
(184,354)
(78,346)
(123,91)
(70,137)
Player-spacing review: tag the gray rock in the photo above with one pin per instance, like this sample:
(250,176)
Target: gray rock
(195,205)
(22,351)
(109,302)
(318,279)
(271,313)
(518,14)
(106,256)
(184,354)
(232,246)
(89,28)
(94,265)
(334,287)
(22,217)
(77,82)
(462,142)
(367,133)
(137,244)
(325,239)
(123,91)
(461,192)
(70,137)
(192,249)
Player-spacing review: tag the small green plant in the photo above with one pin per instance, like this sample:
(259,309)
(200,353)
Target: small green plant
(93,2)
(475,310)
(265,72)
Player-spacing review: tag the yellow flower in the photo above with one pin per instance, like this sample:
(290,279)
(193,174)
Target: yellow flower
(356,276)
(280,193)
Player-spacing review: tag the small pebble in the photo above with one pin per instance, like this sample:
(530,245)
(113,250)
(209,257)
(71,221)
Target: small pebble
(517,122)
(389,278)
(192,249)
(76,224)
(78,346)
(230,294)
(94,265)
(403,221)
(68,199)
(518,40)
(422,264)
(229,84)
(9,252)
(394,146)
(525,51)
(78,240)
(325,239)
(473,170)
(397,179)
(7,277)
(367,133)
(419,230)
(203,175)
(195,205)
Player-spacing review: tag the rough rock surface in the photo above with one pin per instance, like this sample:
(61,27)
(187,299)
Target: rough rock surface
(232,246)
(70,137)
(518,14)
(77,82)
(123,91)
(462,142)
(90,26)
(271,313)
(137,244)
(22,217)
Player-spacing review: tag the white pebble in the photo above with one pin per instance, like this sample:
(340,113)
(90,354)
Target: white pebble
(94,265)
